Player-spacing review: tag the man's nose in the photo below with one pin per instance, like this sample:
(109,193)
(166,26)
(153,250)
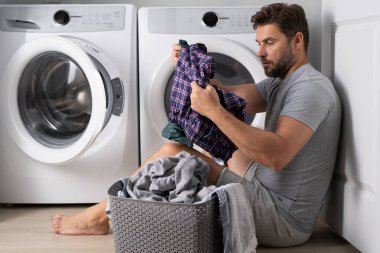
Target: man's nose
(261,52)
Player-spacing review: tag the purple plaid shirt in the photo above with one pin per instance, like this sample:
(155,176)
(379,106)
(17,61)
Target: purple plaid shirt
(194,65)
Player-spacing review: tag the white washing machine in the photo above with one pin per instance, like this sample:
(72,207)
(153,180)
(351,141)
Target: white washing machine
(229,37)
(69,110)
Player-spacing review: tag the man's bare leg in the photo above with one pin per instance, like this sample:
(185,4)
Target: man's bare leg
(94,221)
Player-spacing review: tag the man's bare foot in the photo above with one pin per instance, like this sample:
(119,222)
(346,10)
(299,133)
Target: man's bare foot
(92,221)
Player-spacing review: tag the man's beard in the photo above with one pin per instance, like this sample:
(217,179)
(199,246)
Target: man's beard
(283,66)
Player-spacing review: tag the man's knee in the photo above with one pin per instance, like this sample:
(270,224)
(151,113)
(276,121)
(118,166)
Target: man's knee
(239,162)
(171,149)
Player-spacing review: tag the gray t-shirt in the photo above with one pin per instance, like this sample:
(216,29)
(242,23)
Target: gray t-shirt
(301,187)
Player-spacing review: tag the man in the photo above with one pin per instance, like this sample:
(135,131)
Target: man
(288,166)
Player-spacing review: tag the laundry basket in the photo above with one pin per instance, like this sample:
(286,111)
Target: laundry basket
(146,226)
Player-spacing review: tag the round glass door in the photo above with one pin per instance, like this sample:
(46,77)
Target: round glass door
(54,99)
(235,64)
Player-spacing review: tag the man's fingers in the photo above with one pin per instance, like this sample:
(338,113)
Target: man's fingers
(177,47)
(194,85)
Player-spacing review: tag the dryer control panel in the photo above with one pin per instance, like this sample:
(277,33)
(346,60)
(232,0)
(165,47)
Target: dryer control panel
(201,20)
(62,18)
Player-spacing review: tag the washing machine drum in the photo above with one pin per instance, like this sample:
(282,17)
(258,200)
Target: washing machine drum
(54,99)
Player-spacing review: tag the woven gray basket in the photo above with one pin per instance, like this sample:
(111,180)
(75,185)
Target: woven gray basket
(145,226)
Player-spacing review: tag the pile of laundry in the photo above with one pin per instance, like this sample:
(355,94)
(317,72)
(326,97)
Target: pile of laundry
(183,179)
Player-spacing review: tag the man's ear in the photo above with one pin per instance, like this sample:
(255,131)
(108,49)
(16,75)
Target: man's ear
(298,40)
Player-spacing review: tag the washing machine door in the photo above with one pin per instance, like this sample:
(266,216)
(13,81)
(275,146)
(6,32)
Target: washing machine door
(54,100)
(235,64)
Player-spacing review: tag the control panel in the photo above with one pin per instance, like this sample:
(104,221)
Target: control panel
(201,20)
(82,18)
(62,18)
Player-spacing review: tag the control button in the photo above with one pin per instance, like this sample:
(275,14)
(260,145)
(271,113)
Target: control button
(210,19)
(62,17)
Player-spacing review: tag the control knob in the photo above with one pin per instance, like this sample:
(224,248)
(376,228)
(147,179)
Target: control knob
(62,17)
(210,19)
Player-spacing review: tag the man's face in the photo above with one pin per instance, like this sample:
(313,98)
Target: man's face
(275,50)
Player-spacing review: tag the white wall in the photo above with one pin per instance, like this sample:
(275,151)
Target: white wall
(351,57)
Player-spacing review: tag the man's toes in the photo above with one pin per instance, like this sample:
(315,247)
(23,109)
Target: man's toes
(56,217)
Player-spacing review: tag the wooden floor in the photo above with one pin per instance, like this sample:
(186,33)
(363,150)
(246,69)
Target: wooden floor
(26,228)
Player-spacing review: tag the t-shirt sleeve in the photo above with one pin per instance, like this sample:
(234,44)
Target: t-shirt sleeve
(309,104)
(262,88)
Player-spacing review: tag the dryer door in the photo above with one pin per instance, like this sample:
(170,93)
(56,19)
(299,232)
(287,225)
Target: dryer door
(235,64)
(54,100)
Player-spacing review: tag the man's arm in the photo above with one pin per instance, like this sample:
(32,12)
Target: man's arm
(248,92)
(274,150)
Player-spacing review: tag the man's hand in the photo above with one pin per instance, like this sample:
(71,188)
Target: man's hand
(176,49)
(204,101)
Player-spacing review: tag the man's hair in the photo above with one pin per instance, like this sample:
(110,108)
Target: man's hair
(290,19)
